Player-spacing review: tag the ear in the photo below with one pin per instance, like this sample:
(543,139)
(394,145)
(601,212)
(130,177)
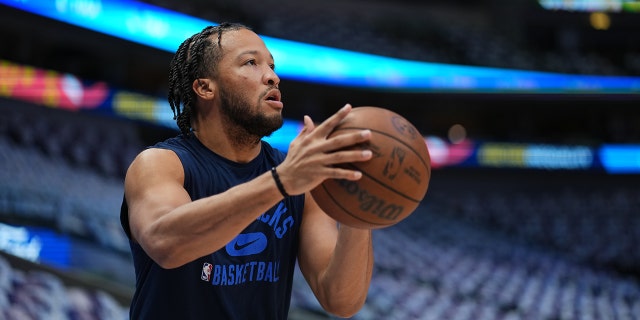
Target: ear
(204,88)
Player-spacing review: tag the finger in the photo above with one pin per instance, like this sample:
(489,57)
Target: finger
(308,124)
(342,173)
(328,125)
(348,156)
(345,140)
(307,127)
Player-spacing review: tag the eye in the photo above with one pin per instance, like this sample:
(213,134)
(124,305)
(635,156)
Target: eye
(272,66)
(251,62)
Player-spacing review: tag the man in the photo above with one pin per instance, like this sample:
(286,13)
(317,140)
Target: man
(217,217)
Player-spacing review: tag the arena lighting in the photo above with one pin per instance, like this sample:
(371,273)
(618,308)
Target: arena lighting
(600,20)
(620,159)
(592,5)
(36,244)
(165,30)
(531,156)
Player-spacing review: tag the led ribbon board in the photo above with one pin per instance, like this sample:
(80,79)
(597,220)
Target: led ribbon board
(592,5)
(165,30)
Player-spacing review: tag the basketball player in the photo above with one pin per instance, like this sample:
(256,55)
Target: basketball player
(217,217)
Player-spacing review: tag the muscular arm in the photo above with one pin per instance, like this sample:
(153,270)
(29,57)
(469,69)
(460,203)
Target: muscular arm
(336,262)
(175,230)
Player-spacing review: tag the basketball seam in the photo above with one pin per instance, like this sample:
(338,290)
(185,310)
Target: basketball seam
(390,136)
(384,184)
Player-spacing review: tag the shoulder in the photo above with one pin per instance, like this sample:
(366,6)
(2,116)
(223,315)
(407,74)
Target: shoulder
(179,142)
(155,155)
(155,162)
(164,153)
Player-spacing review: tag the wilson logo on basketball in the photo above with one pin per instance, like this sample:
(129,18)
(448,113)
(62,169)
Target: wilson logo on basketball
(370,203)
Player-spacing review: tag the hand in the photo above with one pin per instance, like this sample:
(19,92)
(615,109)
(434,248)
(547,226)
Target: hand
(312,156)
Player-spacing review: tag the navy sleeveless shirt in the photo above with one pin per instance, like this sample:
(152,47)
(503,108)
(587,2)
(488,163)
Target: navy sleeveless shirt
(251,277)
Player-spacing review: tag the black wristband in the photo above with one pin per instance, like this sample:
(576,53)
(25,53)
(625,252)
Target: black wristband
(276,177)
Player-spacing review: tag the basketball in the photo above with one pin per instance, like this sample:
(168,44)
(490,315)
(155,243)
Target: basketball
(394,181)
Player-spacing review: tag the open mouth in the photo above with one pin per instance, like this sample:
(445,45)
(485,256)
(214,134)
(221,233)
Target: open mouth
(273,95)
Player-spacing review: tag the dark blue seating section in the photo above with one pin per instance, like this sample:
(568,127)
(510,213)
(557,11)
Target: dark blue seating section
(591,217)
(73,200)
(99,142)
(434,267)
(34,294)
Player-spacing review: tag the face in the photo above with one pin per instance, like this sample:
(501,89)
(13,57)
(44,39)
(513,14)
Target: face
(247,84)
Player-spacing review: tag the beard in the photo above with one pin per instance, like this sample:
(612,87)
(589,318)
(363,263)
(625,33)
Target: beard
(247,118)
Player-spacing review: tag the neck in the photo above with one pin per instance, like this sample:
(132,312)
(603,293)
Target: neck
(229,141)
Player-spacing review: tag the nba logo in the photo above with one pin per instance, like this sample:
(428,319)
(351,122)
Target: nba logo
(206,271)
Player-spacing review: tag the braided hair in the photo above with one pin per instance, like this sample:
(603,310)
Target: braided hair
(197,57)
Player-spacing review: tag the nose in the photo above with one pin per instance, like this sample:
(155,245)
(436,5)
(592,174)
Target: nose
(271,78)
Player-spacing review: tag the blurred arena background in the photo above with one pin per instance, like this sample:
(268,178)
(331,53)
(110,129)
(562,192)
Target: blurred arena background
(533,207)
